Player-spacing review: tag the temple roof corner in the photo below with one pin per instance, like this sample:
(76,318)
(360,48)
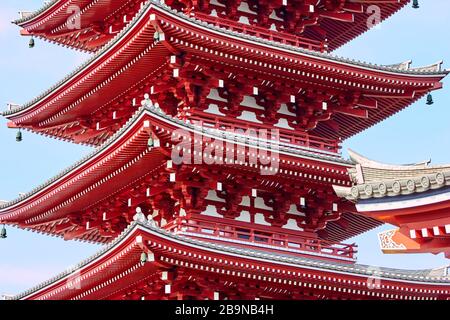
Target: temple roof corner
(341,192)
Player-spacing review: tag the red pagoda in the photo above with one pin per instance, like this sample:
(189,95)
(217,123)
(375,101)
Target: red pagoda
(217,172)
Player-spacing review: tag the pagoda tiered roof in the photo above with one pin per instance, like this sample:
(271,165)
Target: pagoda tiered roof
(190,202)
(314,21)
(123,163)
(172,258)
(102,83)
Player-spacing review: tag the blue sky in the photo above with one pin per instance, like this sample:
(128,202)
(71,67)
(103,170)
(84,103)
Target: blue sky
(418,133)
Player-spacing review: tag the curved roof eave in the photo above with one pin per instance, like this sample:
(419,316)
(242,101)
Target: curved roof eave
(79,69)
(35,14)
(409,276)
(420,72)
(306,154)
(366,162)
(77,164)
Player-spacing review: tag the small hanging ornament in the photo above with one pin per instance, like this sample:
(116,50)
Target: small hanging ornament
(430,99)
(143,257)
(3,234)
(19,136)
(31,43)
(415,4)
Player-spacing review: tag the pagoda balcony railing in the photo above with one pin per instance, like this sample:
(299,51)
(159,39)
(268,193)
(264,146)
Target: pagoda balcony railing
(291,139)
(264,33)
(265,239)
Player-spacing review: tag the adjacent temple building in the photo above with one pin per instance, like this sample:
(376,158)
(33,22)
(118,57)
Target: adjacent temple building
(217,172)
